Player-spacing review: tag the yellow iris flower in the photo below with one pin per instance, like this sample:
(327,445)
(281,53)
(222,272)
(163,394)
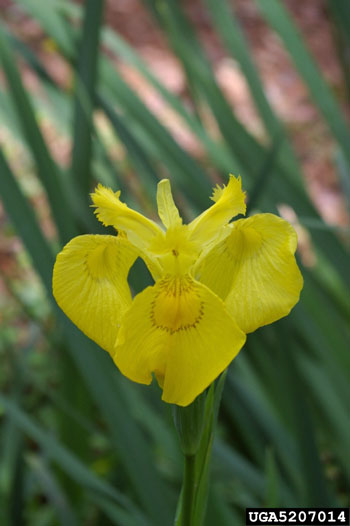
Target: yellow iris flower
(215,281)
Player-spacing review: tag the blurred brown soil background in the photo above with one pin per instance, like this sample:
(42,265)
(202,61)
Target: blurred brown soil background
(284,88)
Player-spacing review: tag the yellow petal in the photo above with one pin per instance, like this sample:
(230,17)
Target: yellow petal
(254,270)
(180,331)
(90,284)
(228,202)
(167,209)
(111,211)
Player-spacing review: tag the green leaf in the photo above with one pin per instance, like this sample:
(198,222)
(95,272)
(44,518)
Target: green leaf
(272,481)
(47,169)
(250,401)
(25,222)
(264,174)
(49,17)
(234,466)
(85,94)
(340,12)
(51,489)
(331,408)
(64,458)
(281,21)
(221,156)
(203,458)
(233,37)
(117,516)
(189,175)
(138,157)
(12,468)
(315,491)
(219,511)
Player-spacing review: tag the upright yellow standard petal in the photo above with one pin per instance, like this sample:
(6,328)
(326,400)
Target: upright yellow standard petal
(111,211)
(254,271)
(167,209)
(229,201)
(90,284)
(180,331)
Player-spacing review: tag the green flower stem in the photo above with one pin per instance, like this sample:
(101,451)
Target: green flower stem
(189,490)
(196,425)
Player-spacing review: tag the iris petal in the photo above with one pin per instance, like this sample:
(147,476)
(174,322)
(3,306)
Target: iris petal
(228,202)
(254,270)
(167,209)
(111,211)
(90,284)
(180,331)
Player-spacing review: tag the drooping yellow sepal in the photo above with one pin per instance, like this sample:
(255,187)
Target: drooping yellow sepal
(180,331)
(90,284)
(254,270)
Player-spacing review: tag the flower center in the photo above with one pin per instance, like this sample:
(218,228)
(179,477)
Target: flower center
(177,306)
(175,251)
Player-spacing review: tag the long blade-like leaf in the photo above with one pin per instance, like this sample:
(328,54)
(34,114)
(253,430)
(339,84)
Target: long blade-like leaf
(230,31)
(47,169)
(85,94)
(64,457)
(24,220)
(281,21)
